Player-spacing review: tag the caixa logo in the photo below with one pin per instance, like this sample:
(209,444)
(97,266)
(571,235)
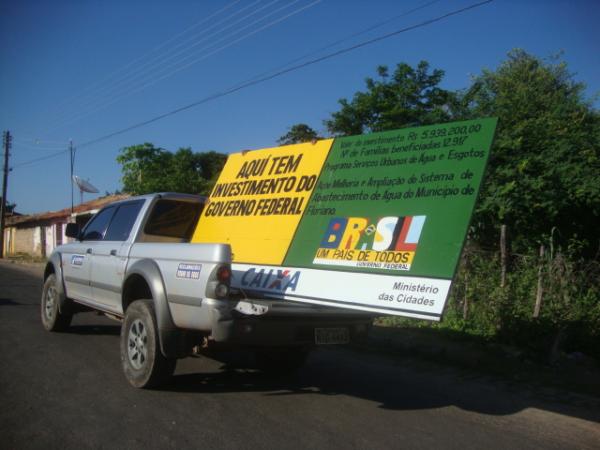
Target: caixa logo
(276,280)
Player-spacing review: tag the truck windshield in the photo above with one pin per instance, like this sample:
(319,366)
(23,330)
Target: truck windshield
(173,219)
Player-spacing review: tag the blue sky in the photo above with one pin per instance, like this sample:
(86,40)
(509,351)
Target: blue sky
(83,69)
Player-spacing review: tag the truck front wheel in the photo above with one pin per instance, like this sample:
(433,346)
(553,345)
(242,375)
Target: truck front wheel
(143,363)
(52,318)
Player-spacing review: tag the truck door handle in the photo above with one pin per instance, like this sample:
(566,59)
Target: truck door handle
(89,251)
(113,253)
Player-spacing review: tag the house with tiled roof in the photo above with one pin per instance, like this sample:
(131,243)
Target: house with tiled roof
(38,234)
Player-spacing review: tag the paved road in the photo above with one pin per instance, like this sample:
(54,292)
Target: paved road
(67,391)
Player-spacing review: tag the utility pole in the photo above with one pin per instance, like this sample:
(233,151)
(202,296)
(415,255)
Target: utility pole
(7,140)
(72,153)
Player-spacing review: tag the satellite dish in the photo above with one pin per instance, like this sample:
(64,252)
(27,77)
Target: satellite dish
(84,186)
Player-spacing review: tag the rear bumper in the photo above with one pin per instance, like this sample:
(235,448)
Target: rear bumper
(258,324)
(282,331)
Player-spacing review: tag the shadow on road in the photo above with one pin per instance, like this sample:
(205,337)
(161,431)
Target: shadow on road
(393,386)
(390,382)
(107,330)
(10,302)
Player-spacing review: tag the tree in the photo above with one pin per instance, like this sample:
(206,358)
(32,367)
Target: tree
(298,134)
(146,169)
(544,164)
(545,161)
(210,165)
(410,97)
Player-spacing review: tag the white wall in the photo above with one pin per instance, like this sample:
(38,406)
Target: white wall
(50,239)
(37,240)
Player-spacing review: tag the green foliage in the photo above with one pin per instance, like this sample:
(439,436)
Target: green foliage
(146,169)
(570,311)
(298,134)
(545,161)
(409,97)
(542,182)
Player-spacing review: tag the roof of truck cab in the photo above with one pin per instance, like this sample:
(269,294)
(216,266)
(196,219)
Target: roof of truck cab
(165,195)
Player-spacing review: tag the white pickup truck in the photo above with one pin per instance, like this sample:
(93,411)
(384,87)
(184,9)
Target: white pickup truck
(134,262)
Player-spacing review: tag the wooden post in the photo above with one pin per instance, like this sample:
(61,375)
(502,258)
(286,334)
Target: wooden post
(540,289)
(7,142)
(503,256)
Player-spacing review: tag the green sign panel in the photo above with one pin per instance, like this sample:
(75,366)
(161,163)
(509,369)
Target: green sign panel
(396,203)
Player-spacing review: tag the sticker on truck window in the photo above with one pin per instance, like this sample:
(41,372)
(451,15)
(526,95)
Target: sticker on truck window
(188,271)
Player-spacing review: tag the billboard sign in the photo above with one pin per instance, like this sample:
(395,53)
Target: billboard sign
(374,222)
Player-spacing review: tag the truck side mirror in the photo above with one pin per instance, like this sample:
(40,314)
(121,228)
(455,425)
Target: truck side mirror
(72,230)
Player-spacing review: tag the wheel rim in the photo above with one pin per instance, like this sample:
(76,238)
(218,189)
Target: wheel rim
(137,348)
(50,303)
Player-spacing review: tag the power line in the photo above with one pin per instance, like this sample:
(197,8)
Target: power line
(128,93)
(39,141)
(33,137)
(58,153)
(36,160)
(138,84)
(269,77)
(94,85)
(35,147)
(285,71)
(155,80)
(344,39)
(155,63)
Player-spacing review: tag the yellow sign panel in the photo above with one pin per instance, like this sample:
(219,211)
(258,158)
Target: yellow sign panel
(269,189)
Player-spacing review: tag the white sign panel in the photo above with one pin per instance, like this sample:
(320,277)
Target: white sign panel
(418,297)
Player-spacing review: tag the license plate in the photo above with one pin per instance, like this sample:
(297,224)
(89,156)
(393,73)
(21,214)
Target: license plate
(325,336)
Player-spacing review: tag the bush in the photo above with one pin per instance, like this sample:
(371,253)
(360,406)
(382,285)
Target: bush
(569,318)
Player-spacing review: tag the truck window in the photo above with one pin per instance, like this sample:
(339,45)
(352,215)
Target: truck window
(173,219)
(123,220)
(94,230)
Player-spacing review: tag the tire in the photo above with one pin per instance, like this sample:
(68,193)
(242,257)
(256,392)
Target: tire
(281,361)
(143,363)
(52,318)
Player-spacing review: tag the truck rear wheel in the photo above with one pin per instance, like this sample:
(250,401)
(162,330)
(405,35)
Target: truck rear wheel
(52,318)
(143,363)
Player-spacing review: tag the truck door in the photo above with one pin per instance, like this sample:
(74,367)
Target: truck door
(77,257)
(109,257)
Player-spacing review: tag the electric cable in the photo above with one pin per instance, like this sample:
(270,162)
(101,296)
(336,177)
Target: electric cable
(344,39)
(142,57)
(142,69)
(37,142)
(267,78)
(35,147)
(128,93)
